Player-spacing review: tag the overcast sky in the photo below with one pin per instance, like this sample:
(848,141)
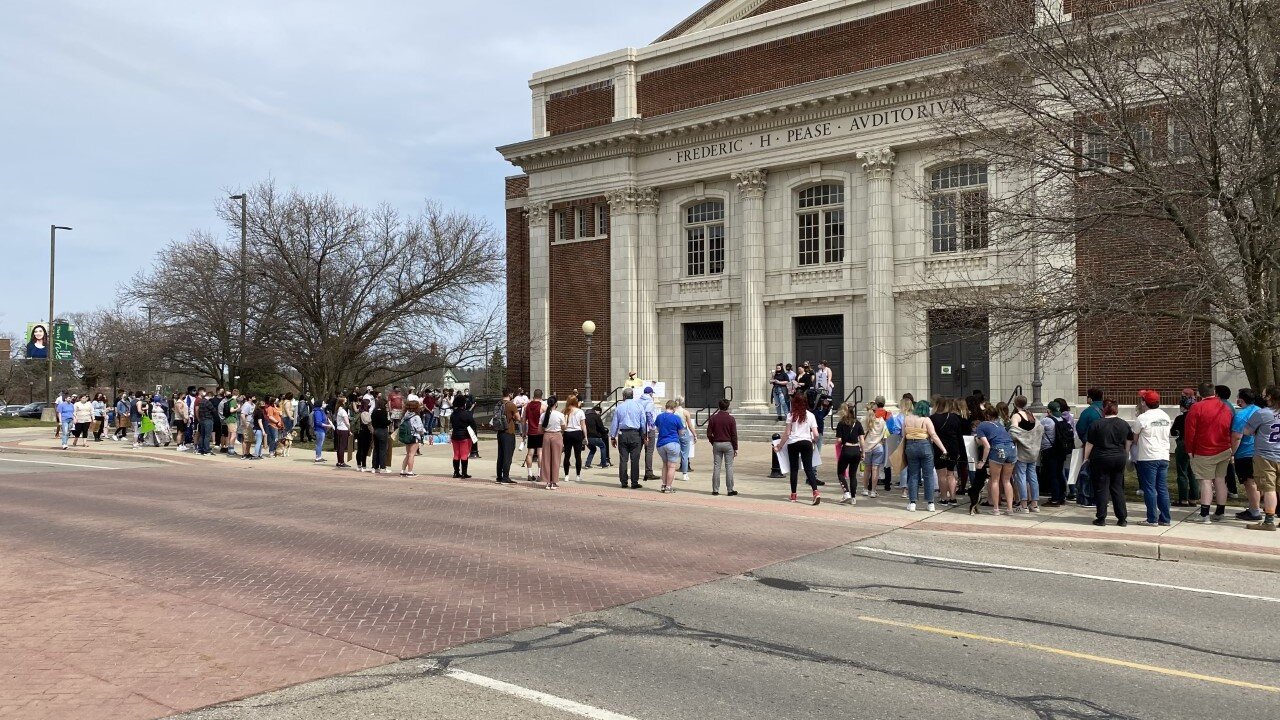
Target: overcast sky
(127,120)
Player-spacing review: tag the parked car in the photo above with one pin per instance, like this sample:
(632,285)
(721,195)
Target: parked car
(34,410)
(10,410)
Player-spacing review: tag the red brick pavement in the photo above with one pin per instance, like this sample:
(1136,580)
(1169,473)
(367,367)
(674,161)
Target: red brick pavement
(139,593)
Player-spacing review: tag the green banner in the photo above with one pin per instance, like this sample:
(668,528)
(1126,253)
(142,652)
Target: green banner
(64,341)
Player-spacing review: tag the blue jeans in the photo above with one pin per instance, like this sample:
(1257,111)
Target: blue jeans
(67,426)
(686,442)
(257,443)
(320,443)
(206,432)
(601,444)
(272,438)
(1027,482)
(919,455)
(1153,478)
(780,401)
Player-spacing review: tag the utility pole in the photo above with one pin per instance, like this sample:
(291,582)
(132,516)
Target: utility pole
(51,349)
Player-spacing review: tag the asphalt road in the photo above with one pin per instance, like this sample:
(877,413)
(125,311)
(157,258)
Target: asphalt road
(858,632)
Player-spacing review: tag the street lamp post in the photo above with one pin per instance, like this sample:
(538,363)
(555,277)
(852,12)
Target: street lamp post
(244,264)
(51,348)
(588,329)
(1037,372)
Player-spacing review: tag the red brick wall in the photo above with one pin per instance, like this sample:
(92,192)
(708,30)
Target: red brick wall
(517,287)
(579,292)
(1122,353)
(580,108)
(896,36)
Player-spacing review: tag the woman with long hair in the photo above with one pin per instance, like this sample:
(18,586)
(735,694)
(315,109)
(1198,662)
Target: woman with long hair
(99,416)
(688,436)
(799,436)
(950,428)
(849,434)
(999,454)
(552,424)
(412,437)
(364,435)
(380,423)
(921,439)
(575,437)
(873,450)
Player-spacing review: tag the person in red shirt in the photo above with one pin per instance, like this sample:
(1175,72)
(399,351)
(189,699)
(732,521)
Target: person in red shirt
(395,407)
(533,420)
(1207,437)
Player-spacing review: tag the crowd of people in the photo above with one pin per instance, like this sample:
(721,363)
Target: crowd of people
(942,448)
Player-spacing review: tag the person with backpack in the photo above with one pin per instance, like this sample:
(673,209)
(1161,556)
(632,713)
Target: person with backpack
(410,435)
(504,423)
(1055,449)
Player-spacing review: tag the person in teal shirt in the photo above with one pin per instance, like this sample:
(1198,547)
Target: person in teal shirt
(1246,400)
(1090,415)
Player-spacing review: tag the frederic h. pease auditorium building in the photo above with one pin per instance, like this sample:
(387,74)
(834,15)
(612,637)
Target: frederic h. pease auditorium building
(743,192)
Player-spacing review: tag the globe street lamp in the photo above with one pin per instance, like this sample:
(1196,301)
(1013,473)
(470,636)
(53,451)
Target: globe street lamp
(588,329)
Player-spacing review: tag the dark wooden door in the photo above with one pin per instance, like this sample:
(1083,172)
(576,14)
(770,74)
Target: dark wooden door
(703,364)
(959,356)
(822,338)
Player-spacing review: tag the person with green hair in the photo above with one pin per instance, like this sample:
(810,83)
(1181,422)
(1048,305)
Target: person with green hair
(920,437)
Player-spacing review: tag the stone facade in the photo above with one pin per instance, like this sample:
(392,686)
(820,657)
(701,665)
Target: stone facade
(812,159)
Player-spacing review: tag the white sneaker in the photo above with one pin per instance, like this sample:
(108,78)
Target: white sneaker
(865,492)
(873,493)
(685,478)
(911,507)
(521,447)
(931,507)
(1205,519)
(576,478)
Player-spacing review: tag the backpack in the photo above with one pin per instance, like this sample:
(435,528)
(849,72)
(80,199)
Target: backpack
(1064,439)
(405,434)
(499,422)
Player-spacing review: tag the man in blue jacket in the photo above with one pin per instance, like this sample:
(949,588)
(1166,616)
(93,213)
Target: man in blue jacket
(66,416)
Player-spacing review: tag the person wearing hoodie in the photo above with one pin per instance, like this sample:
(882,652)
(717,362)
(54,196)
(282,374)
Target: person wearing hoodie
(1028,436)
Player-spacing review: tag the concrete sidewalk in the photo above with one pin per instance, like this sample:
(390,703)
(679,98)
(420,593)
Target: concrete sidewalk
(1224,543)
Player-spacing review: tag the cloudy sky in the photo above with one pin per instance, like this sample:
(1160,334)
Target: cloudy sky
(127,120)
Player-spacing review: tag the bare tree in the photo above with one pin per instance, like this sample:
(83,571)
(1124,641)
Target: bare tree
(1139,143)
(362,294)
(111,346)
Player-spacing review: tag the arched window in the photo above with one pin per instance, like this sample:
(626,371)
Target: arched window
(820,224)
(704,238)
(959,207)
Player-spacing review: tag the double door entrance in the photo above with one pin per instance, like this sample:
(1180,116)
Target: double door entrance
(959,354)
(822,338)
(703,364)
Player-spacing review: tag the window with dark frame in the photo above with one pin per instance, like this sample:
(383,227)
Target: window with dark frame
(959,208)
(704,238)
(820,225)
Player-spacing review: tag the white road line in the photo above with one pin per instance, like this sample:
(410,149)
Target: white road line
(1042,571)
(61,464)
(552,701)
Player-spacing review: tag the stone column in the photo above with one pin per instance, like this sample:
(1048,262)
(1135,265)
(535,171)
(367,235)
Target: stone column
(878,165)
(647,285)
(752,363)
(539,296)
(623,293)
(624,90)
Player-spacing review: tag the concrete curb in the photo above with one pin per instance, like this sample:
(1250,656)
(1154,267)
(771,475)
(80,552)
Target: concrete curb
(1146,550)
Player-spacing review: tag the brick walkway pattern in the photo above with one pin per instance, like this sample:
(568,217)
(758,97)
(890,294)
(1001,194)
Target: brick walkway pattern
(141,593)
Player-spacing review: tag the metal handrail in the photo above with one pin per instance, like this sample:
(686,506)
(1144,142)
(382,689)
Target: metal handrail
(1016,392)
(856,395)
(726,393)
(615,395)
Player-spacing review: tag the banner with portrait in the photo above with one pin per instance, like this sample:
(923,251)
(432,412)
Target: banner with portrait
(38,340)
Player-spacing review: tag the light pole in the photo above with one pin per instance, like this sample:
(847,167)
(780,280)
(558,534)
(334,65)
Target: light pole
(149,309)
(588,329)
(1037,379)
(52,348)
(244,264)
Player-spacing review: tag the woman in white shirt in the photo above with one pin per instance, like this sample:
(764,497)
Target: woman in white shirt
(873,452)
(83,417)
(575,437)
(801,431)
(553,424)
(341,431)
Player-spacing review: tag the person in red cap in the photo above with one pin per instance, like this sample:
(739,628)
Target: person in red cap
(1208,440)
(1154,429)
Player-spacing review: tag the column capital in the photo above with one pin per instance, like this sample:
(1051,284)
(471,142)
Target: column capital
(538,213)
(878,163)
(751,183)
(630,200)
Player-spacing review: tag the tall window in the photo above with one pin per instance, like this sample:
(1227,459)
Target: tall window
(820,224)
(602,219)
(959,207)
(704,238)
(583,216)
(1097,149)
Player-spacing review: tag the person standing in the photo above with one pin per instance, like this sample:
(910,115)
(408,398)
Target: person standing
(462,435)
(825,384)
(1208,440)
(921,438)
(1188,488)
(380,426)
(507,438)
(1056,447)
(259,424)
(341,431)
(597,438)
(274,425)
(533,421)
(288,414)
(520,399)
(410,435)
(780,383)
(322,425)
(651,431)
(722,433)
(667,427)
(1242,457)
(873,446)
(364,434)
(83,416)
(575,437)
(849,433)
(66,409)
(99,405)
(208,418)
(806,385)
(999,454)
(950,428)
(304,418)
(799,436)
(626,432)
(1152,464)
(821,412)
(1027,436)
(247,426)
(1088,416)
(633,381)
(395,406)
(552,423)
(1264,427)
(688,436)
(1107,447)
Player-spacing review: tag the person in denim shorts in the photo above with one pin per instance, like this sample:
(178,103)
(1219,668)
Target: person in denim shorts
(999,455)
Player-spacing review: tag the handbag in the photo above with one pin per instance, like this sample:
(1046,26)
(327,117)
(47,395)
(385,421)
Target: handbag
(898,458)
